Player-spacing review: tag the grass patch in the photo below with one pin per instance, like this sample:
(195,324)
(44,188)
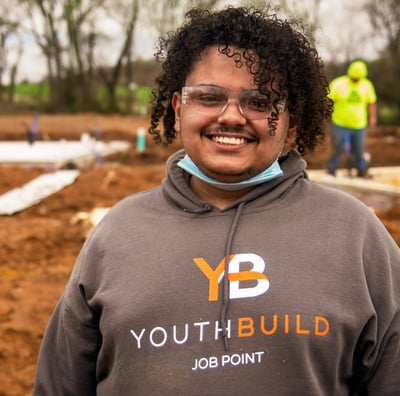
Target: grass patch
(388,115)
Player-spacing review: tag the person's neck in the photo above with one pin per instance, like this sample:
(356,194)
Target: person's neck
(215,196)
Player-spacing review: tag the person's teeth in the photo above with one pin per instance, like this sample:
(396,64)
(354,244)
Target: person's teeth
(229,140)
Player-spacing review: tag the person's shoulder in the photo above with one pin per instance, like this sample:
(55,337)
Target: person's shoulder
(334,199)
(340,79)
(133,208)
(133,205)
(138,200)
(338,82)
(344,210)
(368,83)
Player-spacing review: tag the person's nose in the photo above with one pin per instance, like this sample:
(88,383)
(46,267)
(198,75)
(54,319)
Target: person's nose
(232,113)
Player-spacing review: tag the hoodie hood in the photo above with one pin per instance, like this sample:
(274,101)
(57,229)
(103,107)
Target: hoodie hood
(177,191)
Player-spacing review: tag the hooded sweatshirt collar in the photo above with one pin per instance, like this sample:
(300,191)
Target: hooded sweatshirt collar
(177,191)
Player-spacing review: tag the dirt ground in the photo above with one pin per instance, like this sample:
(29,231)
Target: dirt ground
(39,245)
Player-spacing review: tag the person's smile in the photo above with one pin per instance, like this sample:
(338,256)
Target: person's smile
(229,138)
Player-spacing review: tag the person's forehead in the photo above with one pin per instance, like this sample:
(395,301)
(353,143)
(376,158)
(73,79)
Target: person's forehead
(213,66)
(229,70)
(212,59)
(228,51)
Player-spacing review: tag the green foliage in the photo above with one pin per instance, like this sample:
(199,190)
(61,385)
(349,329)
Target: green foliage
(388,115)
(25,97)
(134,99)
(33,91)
(138,98)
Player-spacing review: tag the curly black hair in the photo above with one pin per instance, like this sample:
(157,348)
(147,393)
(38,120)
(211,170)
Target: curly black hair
(283,57)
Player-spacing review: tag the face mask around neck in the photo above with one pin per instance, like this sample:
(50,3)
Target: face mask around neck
(270,173)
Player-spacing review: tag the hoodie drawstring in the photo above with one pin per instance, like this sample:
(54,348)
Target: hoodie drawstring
(225,283)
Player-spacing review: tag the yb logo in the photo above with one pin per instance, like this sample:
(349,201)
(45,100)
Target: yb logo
(259,285)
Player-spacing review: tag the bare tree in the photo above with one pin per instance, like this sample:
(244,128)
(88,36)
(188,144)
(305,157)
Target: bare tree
(69,33)
(125,12)
(385,19)
(306,11)
(167,15)
(8,30)
(44,22)
(78,16)
(162,15)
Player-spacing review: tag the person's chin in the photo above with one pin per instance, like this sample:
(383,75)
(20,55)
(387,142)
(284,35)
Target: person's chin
(226,174)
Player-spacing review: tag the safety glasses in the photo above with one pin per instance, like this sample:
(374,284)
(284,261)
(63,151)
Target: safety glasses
(212,100)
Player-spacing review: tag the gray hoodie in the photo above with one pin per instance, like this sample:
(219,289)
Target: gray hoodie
(310,306)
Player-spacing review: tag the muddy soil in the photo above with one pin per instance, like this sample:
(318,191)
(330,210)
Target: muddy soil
(38,246)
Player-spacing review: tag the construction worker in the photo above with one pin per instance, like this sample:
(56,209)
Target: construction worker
(355,109)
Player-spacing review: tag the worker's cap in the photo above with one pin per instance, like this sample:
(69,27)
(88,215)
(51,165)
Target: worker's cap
(357,69)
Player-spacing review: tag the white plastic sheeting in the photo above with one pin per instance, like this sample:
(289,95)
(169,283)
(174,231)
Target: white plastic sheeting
(385,180)
(36,190)
(57,154)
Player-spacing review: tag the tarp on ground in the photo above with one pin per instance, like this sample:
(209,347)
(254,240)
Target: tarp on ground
(57,154)
(35,191)
(385,180)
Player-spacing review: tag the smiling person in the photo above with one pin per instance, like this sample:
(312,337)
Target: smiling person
(237,275)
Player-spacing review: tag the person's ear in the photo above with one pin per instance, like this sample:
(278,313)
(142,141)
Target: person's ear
(291,135)
(176,105)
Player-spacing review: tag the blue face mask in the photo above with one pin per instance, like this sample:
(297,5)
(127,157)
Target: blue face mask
(270,173)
